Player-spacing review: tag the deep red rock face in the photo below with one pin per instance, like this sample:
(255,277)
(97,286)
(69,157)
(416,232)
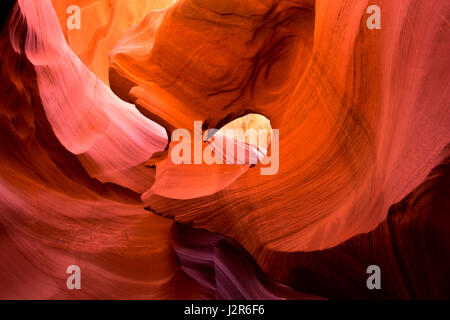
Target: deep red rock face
(357,117)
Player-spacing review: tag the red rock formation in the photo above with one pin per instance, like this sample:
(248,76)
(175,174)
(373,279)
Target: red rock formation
(224,269)
(411,247)
(103,22)
(363,118)
(363,114)
(53,214)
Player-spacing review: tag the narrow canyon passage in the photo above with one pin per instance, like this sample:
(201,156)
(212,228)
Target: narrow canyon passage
(358,132)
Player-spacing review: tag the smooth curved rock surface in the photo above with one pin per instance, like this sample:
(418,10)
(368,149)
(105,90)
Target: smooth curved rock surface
(87,117)
(363,114)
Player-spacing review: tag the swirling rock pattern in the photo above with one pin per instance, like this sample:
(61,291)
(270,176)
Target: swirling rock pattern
(87,117)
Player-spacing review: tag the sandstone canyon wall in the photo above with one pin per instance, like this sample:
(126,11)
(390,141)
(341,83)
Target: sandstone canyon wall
(87,122)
